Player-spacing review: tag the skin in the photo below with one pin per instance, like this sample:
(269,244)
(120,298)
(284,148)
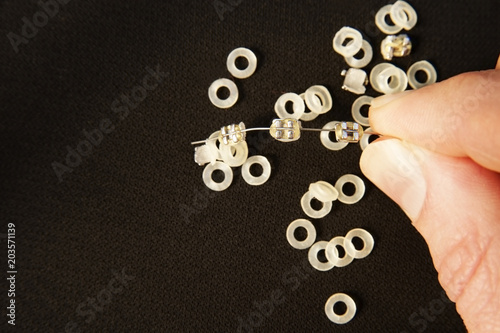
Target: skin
(439,160)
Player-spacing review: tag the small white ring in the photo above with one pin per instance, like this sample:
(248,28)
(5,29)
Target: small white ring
(358,183)
(351,48)
(223,103)
(244,53)
(375,72)
(298,106)
(305,202)
(212,144)
(311,234)
(308,116)
(325,137)
(403,15)
(426,67)
(211,184)
(365,139)
(333,255)
(367,56)
(312,255)
(398,78)
(356,110)
(347,316)
(323,191)
(367,239)
(266,170)
(234,155)
(382,25)
(318,99)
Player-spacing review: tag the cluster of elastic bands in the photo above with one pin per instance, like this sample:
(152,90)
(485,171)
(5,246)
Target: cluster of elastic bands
(227,148)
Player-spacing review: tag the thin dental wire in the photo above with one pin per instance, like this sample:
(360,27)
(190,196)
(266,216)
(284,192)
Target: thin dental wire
(268,128)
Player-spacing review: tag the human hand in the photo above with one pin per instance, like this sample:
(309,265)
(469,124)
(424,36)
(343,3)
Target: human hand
(439,160)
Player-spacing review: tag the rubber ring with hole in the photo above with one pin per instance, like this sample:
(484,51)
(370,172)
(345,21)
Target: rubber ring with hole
(323,191)
(333,255)
(365,139)
(266,170)
(325,137)
(403,15)
(311,234)
(234,155)
(305,202)
(367,239)
(318,99)
(298,106)
(244,53)
(212,144)
(426,67)
(382,25)
(358,183)
(365,60)
(308,116)
(312,255)
(375,72)
(351,48)
(398,80)
(356,110)
(350,311)
(223,103)
(211,184)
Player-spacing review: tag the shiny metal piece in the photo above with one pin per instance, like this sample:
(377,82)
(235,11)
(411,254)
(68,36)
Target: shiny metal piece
(285,130)
(347,131)
(395,46)
(232,134)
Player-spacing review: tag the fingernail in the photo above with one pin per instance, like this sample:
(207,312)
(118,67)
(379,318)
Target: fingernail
(395,167)
(386,99)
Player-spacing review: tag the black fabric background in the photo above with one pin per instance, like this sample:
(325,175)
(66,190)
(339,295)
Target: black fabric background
(202,260)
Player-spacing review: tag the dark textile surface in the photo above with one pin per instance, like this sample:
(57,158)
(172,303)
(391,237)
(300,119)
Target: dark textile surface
(125,237)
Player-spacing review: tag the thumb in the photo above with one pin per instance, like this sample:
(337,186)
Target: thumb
(453,202)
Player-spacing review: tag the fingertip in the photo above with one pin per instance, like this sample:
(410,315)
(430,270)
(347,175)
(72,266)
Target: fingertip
(393,167)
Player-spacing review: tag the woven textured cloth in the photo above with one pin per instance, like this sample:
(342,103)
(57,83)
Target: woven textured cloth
(115,230)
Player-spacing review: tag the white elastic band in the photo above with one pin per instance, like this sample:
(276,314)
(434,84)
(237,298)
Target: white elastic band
(266,170)
(333,255)
(223,103)
(365,60)
(212,144)
(323,191)
(312,255)
(358,183)
(305,202)
(318,99)
(308,116)
(325,137)
(356,110)
(367,239)
(311,234)
(298,106)
(234,155)
(211,184)
(350,49)
(403,15)
(391,80)
(244,53)
(427,68)
(343,318)
(365,139)
(381,23)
